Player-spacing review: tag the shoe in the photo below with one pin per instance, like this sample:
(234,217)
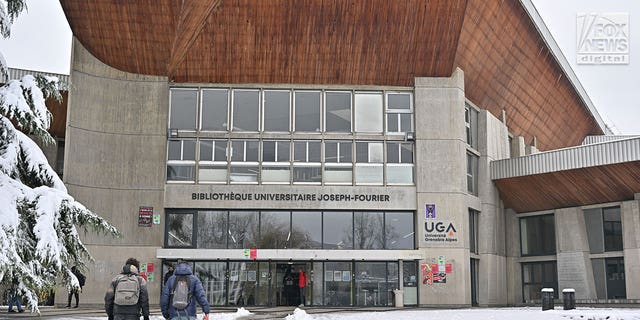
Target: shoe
(68,306)
(11,310)
(21,311)
(75,307)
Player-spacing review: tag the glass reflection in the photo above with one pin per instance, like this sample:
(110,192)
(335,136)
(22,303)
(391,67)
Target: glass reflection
(243,229)
(274,229)
(368,231)
(306,230)
(179,229)
(212,229)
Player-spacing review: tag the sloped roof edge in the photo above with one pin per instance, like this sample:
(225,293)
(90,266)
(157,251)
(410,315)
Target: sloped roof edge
(563,62)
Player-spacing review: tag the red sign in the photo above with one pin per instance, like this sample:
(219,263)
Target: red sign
(434,268)
(253,254)
(150,267)
(448,268)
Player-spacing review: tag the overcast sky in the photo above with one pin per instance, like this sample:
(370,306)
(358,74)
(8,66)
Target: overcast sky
(41,40)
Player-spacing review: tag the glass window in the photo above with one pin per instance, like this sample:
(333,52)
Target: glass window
(244,161)
(179,230)
(368,228)
(181,160)
(399,163)
(604,229)
(472,173)
(306,229)
(277,110)
(471,121)
(306,162)
(184,105)
(369,159)
(473,231)
(399,230)
(537,235)
(612,224)
(275,231)
(337,283)
(215,104)
(214,281)
(538,275)
(338,111)
(410,282)
(399,112)
(368,112)
(243,229)
(307,111)
(275,162)
(338,167)
(212,229)
(371,284)
(246,110)
(337,231)
(616,287)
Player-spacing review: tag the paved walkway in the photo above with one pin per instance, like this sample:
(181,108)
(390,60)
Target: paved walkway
(97,311)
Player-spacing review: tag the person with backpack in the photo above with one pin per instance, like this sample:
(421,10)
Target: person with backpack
(76,291)
(180,293)
(127,295)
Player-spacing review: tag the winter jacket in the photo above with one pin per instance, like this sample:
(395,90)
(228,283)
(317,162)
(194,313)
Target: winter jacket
(195,288)
(113,309)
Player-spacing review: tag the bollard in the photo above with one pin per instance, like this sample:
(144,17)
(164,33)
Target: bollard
(547,299)
(569,299)
(399,300)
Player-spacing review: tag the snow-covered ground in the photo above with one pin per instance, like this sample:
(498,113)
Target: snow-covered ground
(441,314)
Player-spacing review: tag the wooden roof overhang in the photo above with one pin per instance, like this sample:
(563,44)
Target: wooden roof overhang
(507,64)
(585,175)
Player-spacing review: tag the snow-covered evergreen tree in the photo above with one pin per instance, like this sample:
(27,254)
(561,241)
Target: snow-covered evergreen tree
(39,240)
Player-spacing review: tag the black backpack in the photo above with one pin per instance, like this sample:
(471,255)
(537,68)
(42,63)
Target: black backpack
(81,279)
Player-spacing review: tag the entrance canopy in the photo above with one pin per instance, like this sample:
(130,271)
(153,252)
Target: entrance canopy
(583,175)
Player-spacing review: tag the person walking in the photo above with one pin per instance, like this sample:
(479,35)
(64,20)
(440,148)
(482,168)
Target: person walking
(14,297)
(302,283)
(168,274)
(76,291)
(180,293)
(127,295)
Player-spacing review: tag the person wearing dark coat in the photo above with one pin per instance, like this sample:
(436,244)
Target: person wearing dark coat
(76,291)
(118,312)
(197,294)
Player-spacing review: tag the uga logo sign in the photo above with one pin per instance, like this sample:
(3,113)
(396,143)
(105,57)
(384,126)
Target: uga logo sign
(439,227)
(438,231)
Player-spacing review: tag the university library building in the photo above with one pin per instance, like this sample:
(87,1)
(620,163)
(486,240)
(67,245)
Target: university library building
(439,149)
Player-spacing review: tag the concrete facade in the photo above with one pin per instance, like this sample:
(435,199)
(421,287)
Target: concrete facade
(116,162)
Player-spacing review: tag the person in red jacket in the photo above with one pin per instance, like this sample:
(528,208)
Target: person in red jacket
(302,283)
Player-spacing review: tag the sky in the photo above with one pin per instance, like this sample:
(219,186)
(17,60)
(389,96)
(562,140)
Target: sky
(41,40)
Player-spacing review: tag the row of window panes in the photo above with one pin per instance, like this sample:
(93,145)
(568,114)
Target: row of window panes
(284,161)
(254,110)
(336,230)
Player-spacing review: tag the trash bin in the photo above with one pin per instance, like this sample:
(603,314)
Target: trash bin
(569,298)
(399,302)
(547,299)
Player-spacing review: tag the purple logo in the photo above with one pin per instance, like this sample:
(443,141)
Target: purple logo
(430,210)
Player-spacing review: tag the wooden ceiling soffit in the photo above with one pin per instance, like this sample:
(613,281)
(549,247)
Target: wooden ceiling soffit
(191,22)
(571,188)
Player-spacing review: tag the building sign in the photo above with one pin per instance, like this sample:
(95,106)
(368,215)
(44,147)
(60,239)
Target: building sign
(602,38)
(251,254)
(303,197)
(430,211)
(145,216)
(436,230)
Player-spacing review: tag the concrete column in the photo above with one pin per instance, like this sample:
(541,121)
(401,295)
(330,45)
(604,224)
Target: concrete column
(574,265)
(630,211)
(441,180)
(518,147)
(116,121)
(514,269)
(493,144)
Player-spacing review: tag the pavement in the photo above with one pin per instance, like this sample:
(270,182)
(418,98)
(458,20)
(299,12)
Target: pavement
(50,312)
